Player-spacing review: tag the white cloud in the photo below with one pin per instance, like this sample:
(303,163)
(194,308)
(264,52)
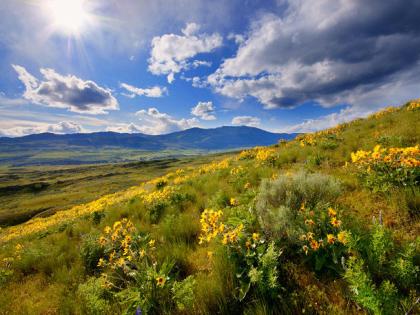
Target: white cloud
(204,110)
(246,121)
(190,29)
(124,128)
(69,92)
(155,91)
(237,38)
(154,122)
(171,53)
(201,63)
(327,121)
(64,127)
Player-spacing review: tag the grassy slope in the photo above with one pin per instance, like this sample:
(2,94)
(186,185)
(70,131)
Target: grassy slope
(26,192)
(47,277)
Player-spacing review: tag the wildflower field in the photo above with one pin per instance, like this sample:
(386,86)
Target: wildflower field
(327,223)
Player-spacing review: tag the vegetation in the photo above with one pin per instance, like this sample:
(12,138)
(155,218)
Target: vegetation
(31,191)
(324,224)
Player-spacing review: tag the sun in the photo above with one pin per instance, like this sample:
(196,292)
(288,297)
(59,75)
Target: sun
(68,16)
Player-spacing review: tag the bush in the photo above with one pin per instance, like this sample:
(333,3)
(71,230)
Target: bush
(95,297)
(366,293)
(279,201)
(91,251)
(183,293)
(380,274)
(97,217)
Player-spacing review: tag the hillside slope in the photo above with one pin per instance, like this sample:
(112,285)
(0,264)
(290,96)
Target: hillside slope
(285,229)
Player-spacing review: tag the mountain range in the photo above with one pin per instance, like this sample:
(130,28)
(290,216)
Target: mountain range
(221,138)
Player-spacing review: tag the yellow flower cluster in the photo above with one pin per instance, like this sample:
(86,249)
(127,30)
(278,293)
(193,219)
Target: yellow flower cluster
(119,244)
(158,196)
(331,131)
(408,157)
(307,140)
(266,155)
(182,179)
(215,166)
(313,244)
(413,105)
(210,225)
(261,154)
(236,171)
(386,111)
(333,218)
(119,238)
(232,236)
(247,154)
(37,225)
(331,238)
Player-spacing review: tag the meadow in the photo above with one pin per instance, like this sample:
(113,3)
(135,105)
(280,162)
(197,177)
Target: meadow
(28,191)
(327,223)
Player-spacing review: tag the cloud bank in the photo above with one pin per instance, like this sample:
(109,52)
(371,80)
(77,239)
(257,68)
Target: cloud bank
(64,127)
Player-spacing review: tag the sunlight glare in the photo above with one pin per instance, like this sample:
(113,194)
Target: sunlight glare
(69,16)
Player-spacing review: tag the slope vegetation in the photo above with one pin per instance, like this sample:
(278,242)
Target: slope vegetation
(327,223)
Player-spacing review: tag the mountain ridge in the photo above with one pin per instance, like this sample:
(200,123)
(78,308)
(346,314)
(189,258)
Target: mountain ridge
(220,138)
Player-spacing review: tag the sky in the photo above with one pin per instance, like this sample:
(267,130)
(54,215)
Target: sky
(161,66)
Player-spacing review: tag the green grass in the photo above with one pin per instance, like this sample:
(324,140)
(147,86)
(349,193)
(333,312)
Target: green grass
(56,271)
(31,191)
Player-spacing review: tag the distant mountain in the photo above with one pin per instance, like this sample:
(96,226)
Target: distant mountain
(222,138)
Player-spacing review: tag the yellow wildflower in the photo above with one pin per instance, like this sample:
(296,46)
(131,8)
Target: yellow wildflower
(120,262)
(342,237)
(314,245)
(255,236)
(330,238)
(234,202)
(332,212)
(160,281)
(335,222)
(101,262)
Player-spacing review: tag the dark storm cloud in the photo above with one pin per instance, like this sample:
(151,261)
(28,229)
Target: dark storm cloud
(324,51)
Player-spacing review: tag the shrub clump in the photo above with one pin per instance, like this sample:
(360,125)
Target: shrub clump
(279,201)
(95,297)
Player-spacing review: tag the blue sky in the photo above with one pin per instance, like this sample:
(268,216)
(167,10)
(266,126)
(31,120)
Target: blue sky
(166,65)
